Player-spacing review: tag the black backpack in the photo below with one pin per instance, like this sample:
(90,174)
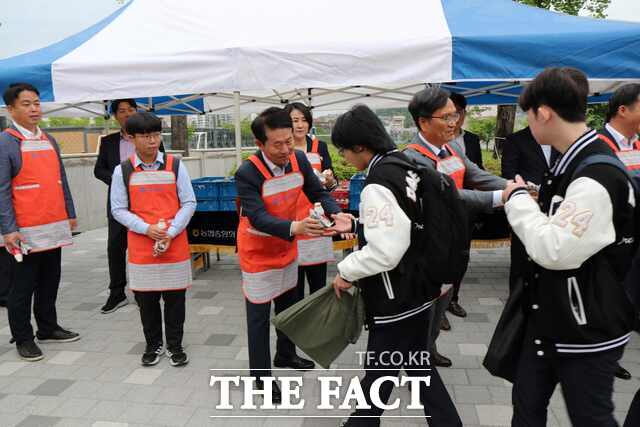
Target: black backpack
(440,233)
(632,279)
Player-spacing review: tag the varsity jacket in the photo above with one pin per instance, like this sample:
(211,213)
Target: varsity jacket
(579,239)
(384,264)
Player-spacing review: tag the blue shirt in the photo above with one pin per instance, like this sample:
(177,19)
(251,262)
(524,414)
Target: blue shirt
(120,199)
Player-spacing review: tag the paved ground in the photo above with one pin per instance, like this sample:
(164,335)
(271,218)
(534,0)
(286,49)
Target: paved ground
(98,380)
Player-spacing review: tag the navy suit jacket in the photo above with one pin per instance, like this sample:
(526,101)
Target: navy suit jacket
(249,185)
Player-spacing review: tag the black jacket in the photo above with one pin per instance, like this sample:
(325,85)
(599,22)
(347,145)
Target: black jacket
(472,148)
(397,294)
(522,155)
(578,311)
(108,159)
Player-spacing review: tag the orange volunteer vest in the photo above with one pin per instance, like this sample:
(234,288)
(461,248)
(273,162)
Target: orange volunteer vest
(153,194)
(452,165)
(268,263)
(630,158)
(312,250)
(38,198)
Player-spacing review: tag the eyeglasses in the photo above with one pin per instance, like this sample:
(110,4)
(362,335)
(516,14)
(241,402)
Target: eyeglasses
(148,136)
(449,118)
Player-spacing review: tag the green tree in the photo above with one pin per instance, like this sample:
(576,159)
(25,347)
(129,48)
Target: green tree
(596,114)
(595,8)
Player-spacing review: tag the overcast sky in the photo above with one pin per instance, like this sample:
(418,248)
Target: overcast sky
(24,27)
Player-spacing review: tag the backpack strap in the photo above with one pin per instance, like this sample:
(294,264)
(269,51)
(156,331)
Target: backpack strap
(127,171)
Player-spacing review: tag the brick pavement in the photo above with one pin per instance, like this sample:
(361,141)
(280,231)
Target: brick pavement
(99,382)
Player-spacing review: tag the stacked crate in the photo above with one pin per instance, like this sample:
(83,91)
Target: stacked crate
(215,194)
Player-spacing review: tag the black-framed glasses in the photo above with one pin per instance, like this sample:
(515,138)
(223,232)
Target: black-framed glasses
(449,118)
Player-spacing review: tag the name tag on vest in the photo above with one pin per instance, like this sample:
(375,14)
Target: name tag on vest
(450,165)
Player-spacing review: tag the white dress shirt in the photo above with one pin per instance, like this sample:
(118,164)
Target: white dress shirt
(625,144)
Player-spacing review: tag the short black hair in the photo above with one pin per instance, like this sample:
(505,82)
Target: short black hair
(271,118)
(12,92)
(563,89)
(115,104)
(143,122)
(427,101)
(306,111)
(625,95)
(459,100)
(361,127)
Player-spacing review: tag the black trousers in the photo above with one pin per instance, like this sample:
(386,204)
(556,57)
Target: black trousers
(633,416)
(258,333)
(408,338)
(437,311)
(151,316)
(316,276)
(37,277)
(586,383)
(6,273)
(117,255)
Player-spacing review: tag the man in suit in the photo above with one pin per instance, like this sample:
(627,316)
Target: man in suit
(434,147)
(114,149)
(469,141)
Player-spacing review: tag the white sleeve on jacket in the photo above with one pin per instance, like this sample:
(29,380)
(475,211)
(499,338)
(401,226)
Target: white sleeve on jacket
(581,226)
(387,230)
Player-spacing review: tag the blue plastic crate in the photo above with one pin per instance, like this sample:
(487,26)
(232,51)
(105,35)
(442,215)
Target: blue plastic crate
(356,184)
(228,189)
(208,206)
(228,204)
(207,188)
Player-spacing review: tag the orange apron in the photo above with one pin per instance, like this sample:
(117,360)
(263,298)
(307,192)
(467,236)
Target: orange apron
(630,158)
(38,197)
(312,250)
(452,165)
(268,263)
(153,195)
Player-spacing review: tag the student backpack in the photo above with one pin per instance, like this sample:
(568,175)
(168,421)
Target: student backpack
(440,233)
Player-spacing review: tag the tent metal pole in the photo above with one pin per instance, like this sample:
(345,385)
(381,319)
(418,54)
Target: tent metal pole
(236,113)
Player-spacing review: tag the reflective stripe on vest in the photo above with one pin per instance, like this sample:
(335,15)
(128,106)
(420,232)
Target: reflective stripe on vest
(268,263)
(630,158)
(312,250)
(452,165)
(153,195)
(38,197)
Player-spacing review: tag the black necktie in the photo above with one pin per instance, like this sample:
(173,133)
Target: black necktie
(443,154)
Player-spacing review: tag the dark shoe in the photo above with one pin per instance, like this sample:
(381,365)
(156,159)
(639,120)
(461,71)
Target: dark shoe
(59,335)
(29,351)
(295,362)
(622,373)
(456,309)
(151,355)
(276,395)
(444,323)
(439,360)
(177,357)
(114,302)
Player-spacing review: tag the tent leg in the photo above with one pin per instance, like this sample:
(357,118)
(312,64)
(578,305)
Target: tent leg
(236,111)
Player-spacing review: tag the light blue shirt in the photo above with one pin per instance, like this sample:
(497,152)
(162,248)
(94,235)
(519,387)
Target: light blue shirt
(120,199)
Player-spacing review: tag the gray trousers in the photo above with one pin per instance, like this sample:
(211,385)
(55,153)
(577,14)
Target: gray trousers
(437,312)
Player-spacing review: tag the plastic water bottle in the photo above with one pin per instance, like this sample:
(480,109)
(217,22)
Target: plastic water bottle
(160,247)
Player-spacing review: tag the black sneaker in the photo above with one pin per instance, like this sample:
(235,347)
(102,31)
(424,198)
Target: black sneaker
(152,355)
(59,335)
(114,302)
(29,351)
(177,357)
